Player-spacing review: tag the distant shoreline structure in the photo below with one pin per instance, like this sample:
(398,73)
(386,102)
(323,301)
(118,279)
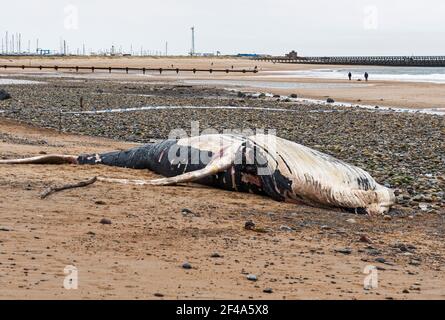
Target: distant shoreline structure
(154,56)
(396,61)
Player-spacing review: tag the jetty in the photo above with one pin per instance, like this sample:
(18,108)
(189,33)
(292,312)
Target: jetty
(396,61)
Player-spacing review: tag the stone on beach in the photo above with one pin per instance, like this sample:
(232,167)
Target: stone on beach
(4,95)
(252,277)
(105,221)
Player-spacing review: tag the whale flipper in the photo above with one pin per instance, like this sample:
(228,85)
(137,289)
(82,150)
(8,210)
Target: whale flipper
(46,159)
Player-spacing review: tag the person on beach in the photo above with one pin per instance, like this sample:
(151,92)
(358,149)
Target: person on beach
(350,76)
(366,76)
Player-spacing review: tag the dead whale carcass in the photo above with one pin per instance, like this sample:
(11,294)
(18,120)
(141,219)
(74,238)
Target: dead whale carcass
(261,164)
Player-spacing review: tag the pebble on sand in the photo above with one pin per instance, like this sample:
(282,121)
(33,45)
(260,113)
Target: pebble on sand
(252,277)
(414,262)
(186,265)
(105,221)
(364,238)
(4,95)
(189,213)
(286,228)
(380,260)
(344,250)
(249,225)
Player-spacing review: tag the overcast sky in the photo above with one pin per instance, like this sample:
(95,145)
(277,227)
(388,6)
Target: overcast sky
(314,27)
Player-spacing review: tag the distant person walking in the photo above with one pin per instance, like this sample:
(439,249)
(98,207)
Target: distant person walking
(350,76)
(366,76)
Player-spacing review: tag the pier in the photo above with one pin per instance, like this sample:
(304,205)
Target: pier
(396,61)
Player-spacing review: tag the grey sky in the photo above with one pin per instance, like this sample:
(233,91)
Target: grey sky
(315,27)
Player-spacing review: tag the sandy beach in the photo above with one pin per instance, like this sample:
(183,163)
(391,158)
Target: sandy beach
(300,254)
(296,251)
(208,159)
(412,95)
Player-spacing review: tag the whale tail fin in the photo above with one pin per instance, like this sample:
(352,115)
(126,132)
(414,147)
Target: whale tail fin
(46,159)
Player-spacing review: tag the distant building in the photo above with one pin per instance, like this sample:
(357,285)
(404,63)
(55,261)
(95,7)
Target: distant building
(43,52)
(251,55)
(247,55)
(292,55)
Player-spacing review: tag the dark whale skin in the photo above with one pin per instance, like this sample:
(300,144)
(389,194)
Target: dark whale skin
(240,177)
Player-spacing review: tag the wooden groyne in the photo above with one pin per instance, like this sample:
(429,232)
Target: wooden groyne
(127,69)
(396,61)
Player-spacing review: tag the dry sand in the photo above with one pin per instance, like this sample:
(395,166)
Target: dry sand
(142,251)
(381,93)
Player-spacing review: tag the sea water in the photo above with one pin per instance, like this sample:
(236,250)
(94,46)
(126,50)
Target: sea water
(413,74)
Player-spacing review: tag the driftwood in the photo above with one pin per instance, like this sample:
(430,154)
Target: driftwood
(81,184)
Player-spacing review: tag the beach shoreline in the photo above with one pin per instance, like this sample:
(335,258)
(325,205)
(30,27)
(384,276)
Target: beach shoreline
(400,94)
